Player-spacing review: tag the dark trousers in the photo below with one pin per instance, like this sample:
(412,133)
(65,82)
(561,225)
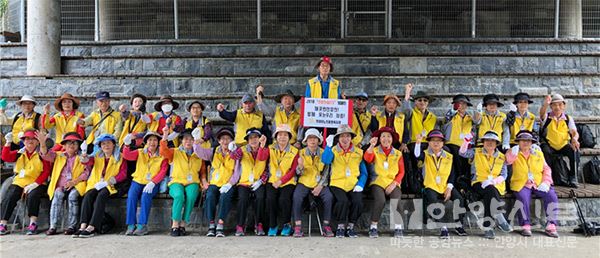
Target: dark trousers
(348,205)
(92,207)
(279,202)
(379,201)
(550,154)
(430,197)
(461,167)
(244,196)
(300,194)
(487,195)
(13,195)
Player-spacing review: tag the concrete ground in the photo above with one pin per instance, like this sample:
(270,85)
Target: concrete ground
(162,245)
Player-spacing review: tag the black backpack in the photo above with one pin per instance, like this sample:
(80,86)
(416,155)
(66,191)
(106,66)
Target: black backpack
(591,171)
(560,171)
(586,137)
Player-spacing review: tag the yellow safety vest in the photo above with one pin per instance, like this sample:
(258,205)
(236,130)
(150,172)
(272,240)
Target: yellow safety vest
(316,90)
(557,133)
(491,123)
(252,169)
(398,122)
(437,171)
(62,124)
(385,174)
(488,168)
(364,121)
(293,120)
(345,168)
(203,121)
(109,124)
(418,124)
(27,169)
(280,163)
(522,166)
(185,168)
(222,168)
(20,123)
(245,121)
(112,170)
(312,168)
(59,163)
(146,167)
(460,125)
(138,127)
(523,123)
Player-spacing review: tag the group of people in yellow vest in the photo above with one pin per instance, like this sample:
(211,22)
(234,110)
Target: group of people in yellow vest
(398,149)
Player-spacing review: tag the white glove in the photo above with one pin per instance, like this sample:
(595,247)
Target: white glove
(100,185)
(30,187)
(196,133)
(505,146)
(515,150)
(480,107)
(232,147)
(172,136)
(9,137)
(358,189)
(84,147)
(127,139)
(487,183)
(512,107)
(146,119)
(329,140)
(225,188)
(543,187)
(149,187)
(256,185)
(112,180)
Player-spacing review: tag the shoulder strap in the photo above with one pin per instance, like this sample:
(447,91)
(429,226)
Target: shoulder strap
(15,118)
(359,123)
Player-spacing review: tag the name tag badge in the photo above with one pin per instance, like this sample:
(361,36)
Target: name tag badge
(216,176)
(278,174)
(462,136)
(148,176)
(318,178)
(386,165)
(22,173)
(490,177)
(438,180)
(423,133)
(522,127)
(251,177)
(189,178)
(530,175)
(68,176)
(348,172)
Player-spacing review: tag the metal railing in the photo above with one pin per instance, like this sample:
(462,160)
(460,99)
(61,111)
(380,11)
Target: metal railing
(103,20)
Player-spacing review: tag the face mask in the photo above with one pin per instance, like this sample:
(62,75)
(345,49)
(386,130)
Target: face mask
(167,108)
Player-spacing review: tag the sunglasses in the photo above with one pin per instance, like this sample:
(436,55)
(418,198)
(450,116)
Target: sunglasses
(422,100)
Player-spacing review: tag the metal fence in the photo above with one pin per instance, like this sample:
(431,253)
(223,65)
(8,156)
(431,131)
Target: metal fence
(103,20)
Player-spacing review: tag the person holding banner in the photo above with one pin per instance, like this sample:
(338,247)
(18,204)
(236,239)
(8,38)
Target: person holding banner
(438,179)
(388,172)
(244,118)
(283,160)
(348,179)
(361,121)
(323,85)
(105,120)
(284,113)
(65,121)
(312,180)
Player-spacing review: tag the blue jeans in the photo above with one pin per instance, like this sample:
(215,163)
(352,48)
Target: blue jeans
(133,196)
(211,203)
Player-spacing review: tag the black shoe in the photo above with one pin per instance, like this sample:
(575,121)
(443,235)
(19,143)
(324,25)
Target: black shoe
(340,232)
(351,233)
(211,232)
(76,233)
(373,233)
(573,185)
(398,233)
(87,234)
(220,233)
(182,231)
(444,233)
(460,231)
(175,232)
